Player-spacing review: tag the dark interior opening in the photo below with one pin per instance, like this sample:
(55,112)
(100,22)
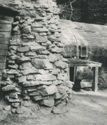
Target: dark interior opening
(82,76)
(8,11)
(72,74)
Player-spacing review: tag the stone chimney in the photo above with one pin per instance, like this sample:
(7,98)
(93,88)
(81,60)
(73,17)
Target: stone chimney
(36,67)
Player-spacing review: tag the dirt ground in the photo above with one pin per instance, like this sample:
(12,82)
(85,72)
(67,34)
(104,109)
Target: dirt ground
(84,109)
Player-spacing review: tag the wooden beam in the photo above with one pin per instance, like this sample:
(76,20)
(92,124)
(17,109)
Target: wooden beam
(95,82)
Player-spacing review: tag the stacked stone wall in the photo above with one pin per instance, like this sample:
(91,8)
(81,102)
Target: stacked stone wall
(36,69)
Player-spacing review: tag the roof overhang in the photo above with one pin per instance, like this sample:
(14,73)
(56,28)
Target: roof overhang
(79,62)
(8,11)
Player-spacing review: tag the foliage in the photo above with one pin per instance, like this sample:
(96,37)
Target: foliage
(98,54)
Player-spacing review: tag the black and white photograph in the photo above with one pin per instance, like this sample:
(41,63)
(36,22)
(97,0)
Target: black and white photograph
(53,62)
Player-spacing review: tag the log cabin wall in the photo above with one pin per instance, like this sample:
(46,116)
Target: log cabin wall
(5,34)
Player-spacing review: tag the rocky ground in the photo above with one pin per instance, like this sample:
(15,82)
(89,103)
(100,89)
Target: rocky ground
(84,109)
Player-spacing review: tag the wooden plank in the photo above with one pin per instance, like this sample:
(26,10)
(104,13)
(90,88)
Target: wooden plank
(5,21)
(4,40)
(95,83)
(5,34)
(6,18)
(5,27)
(3,46)
(2,66)
(2,59)
(3,52)
(1,70)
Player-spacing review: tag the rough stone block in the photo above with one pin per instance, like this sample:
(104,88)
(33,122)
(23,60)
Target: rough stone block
(38,63)
(15,105)
(61,64)
(13,95)
(30,54)
(43,52)
(62,76)
(31,77)
(38,18)
(27,37)
(15,41)
(41,57)
(23,49)
(45,83)
(37,25)
(52,38)
(43,34)
(41,39)
(12,100)
(43,72)
(31,90)
(58,95)
(15,66)
(26,98)
(63,90)
(29,71)
(23,59)
(26,29)
(42,64)
(48,65)
(48,90)
(7,108)
(13,48)
(31,83)
(56,50)
(16,29)
(15,23)
(57,82)
(53,58)
(69,84)
(48,102)
(40,30)
(22,79)
(60,45)
(36,93)
(36,47)
(55,72)
(26,65)
(47,77)
(8,88)
(37,98)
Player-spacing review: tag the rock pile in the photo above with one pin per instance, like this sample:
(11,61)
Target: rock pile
(35,59)
(10,91)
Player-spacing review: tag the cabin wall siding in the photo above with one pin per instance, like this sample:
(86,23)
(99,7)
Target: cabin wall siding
(5,34)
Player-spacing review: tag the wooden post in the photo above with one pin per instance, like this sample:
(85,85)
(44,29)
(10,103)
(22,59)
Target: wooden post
(95,82)
(75,72)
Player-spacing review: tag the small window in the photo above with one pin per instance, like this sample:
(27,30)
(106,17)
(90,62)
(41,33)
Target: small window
(83,52)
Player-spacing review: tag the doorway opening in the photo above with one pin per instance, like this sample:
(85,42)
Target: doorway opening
(84,74)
